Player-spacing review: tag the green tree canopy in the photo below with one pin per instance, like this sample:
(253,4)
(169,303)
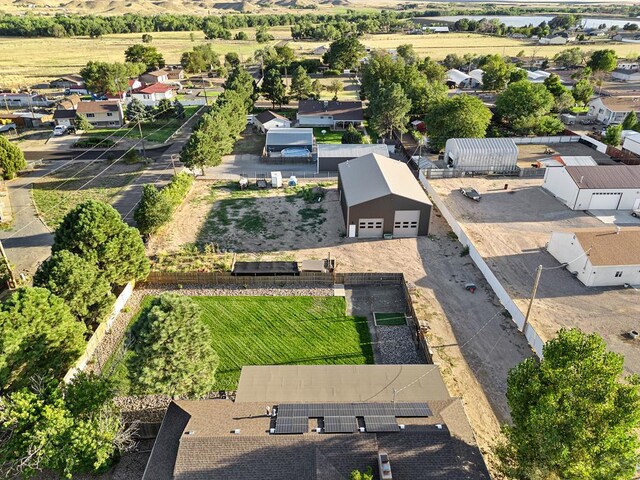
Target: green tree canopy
(38,336)
(433,70)
(301,88)
(103,77)
(460,116)
(582,91)
(69,430)
(613,135)
(136,111)
(79,283)
(517,74)
(630,121)
(496,74)
(344,53)
(524,99)
(273,87)
(570,57)
(153,211)
(389,110)
(11,159)
(263,35)
(146,54)
(407,53)
(554,85)
(201,58)
(574,414)
(173,352)
(82,123)
(603,60)
(94,231)
(352,136)
(232,60)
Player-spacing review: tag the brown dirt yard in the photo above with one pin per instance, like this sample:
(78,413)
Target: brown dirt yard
(511,229)
(472,340)
(532,153)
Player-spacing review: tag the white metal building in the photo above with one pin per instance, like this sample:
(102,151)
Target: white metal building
(605,187)
(599,257)
(267,120)
(632,143)
(481,154)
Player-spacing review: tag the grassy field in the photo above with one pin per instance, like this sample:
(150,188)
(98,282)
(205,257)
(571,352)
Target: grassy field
(157,131)
(329,137)
(56,194)
(273,331)
(28,61)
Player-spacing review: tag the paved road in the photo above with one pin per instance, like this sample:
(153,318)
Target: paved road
(29,242)
(158,173)
(234,166)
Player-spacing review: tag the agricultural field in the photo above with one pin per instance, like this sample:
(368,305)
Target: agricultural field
(272,331)
(62,190)
(29,61)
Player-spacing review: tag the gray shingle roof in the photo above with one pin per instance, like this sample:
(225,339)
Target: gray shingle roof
(337,109)
(268,115)
(331,150)
(374,176)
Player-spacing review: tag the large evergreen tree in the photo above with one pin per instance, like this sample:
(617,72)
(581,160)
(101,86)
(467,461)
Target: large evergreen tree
(301,88)
(574,414)
(273,87)
(94,231)
(153,211)
(38,336)
(173,352)
(11,159)
(79,283)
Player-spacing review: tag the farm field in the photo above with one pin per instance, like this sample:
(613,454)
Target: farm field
(59,192)
(273,331)
(29,61)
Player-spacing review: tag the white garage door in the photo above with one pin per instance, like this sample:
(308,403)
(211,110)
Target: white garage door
(370,227)
(405,223)
(604,201)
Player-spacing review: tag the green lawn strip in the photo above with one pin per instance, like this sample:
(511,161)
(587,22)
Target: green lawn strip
(329,137)
(54,198)
(275,331)
(390,319)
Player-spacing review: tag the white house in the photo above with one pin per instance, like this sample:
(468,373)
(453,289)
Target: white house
(152,94)
(553,40)
(539,76)
(605,187)
(157,76)
(8,100)
(631,142)
(267,120)
(626,74)
(102,113)
(613,110)
(627,65)
(599,257)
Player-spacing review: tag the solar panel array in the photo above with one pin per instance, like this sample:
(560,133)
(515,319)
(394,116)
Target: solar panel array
(341,417)
(340,424)
(292,425)
(381,423)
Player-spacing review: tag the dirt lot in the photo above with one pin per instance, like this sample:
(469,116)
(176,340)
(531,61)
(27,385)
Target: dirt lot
(511,228)
(527,154)
(474,343)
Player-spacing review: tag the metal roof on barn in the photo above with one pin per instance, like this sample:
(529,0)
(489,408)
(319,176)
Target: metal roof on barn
(605,176)
(483,145)
(290,136)
(375,176)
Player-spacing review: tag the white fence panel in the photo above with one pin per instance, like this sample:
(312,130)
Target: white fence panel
(599,146)
(517,316)
(547,140)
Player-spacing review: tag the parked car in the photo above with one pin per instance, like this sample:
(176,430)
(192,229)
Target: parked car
(59,130)
(471,193)
(71,129)
(636,212)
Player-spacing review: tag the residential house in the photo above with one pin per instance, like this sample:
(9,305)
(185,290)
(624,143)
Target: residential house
(157,76)
(627,65)
(152,94)
(104,113)
(174,73)
(70,102)
(267,120)
(626,74)
(599,257)
(284,424)
(438,29)
(18,100)
(64,117)
(605,187)
(626,37)
(381,196)
(321,50)
(328,113)
(68,81)
(612,110)
(553,40)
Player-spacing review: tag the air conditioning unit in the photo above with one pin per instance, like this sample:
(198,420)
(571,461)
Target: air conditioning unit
(272,431)
(236,431)
(362,429)
(401,425)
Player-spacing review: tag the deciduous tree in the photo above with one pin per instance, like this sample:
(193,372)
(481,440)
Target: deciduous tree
(389,110)
(352,136)
(524,99)
(79,283)
(574,413)
(335,86)
(571,57)
(344,53)
(173,352)
(38,336)
(146,54)
(94,231)
(603,60)
(11,159)
(496,74)
(582,91)
(460,116)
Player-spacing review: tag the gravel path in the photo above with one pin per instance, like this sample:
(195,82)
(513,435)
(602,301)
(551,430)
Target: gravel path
(396,345)
(112,340)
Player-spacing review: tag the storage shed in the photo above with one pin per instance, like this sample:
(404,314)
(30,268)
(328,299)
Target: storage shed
(331,155)
(599,257)
(605,187)
(481,154)
(381,196)
(279,139)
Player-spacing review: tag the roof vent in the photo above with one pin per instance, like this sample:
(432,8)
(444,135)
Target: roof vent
(272,431)
(236,431)
(362,429)
(189,432)
(401,425)
(439,426)
(317,430)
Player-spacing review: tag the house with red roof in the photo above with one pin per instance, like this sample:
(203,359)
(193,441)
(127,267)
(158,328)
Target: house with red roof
(152,94)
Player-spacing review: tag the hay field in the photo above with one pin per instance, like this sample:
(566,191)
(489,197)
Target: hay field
(28,61)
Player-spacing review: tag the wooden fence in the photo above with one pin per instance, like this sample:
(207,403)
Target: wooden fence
(624,156)
(414,324)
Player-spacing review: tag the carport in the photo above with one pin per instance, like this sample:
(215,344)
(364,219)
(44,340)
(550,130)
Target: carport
(380,196)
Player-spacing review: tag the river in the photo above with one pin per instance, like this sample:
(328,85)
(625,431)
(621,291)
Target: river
(535,20)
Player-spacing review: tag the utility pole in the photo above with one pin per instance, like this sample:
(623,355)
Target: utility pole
(14,283)
(144,152)
(533,296)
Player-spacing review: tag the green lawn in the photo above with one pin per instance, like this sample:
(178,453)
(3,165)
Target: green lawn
(272,331)
(157,131)
(329,137)
(390,319)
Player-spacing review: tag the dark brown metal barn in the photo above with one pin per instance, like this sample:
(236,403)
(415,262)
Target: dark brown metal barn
(381,196)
